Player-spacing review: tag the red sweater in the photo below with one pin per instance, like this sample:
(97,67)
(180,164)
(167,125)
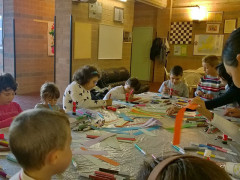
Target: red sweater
(7,112)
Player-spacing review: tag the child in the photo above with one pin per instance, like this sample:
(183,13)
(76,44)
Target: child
(40,139)
(79,90)
(175,83)
(119,92)
(8,109)
(210,85)
(49,94)
(181,167)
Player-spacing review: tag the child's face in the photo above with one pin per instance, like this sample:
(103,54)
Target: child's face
(65,155)
(6,96)
(128,88)
(175,79)
(51,101)
(208,69)
(92,83)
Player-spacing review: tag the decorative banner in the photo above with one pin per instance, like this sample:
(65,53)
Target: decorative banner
(181,32)
(50,39)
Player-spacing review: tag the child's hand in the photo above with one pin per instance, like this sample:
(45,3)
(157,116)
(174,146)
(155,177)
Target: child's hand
(202,108)
(172,110)
(232,112)
(200,93)
(166,90)
(208,96)
(109,102)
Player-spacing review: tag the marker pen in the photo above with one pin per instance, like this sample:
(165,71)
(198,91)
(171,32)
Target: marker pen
(212,155)
(178,149)
(140,149)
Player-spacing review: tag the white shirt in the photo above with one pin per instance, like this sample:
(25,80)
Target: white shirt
(21,176)
(76,93)
(117,93)
(226,127)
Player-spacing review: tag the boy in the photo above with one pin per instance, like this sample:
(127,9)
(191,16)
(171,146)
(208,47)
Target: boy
(40,139)
(119,92)
(175,84)
(210,85)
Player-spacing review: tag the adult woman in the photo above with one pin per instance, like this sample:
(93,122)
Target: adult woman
(231,60)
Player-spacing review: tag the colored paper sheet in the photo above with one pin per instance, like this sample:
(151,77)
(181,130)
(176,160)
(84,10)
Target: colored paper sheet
(110,161)
(97,140)
(147,132)
(178,123)
(149,129)
(96,161)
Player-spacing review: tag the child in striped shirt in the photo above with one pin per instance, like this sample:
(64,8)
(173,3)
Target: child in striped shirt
(210,85)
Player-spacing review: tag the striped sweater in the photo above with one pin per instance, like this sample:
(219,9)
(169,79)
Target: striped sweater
(211,85)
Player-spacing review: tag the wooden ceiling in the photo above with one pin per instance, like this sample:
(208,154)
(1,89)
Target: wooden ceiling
(203,2)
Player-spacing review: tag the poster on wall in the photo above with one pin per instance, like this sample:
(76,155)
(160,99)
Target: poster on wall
(50,38)
(180,50)
(208,44)
(230,25)
(95,10)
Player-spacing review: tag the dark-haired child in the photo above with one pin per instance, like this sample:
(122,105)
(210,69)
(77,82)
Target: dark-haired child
(210,85)
(183,167)
(119,92)
(40,139)
(8,109)
(175,84)
(49,93)
(78,91)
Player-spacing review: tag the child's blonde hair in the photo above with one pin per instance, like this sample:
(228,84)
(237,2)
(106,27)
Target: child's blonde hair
(36,132)
(212,60)
(49,90)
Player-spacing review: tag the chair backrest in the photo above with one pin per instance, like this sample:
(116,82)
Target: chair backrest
(192,79)
(167,73)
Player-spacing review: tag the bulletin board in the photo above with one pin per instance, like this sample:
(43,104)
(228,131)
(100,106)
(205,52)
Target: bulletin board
(82,40)
(110,42)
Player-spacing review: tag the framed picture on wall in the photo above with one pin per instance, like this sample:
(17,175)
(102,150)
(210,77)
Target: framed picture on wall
(212,28)
(229,25)
(214,17)
(118,14)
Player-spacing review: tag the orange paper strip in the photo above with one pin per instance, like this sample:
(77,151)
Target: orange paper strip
(110,161)
(178,122)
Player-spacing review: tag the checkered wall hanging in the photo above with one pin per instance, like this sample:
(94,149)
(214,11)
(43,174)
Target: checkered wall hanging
(181,32)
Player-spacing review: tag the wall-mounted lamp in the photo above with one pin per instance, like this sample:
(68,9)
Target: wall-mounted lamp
(197,13)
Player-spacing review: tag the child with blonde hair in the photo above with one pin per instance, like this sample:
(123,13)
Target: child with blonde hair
(40,139)
(210,85)
(49,94)
(8,109)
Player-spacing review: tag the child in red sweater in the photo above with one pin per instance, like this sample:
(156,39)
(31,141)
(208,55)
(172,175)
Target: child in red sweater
(8,109)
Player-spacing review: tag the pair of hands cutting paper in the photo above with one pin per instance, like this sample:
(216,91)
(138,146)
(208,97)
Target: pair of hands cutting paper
(232,112)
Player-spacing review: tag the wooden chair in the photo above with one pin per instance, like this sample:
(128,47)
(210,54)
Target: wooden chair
(167,74)
(191,79)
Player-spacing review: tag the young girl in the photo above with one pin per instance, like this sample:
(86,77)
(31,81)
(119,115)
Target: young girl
(8,109)
(181,167)
(49,94)
(79,90)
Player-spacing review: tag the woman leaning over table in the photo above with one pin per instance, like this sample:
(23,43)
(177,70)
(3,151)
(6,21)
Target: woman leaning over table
(231,60)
